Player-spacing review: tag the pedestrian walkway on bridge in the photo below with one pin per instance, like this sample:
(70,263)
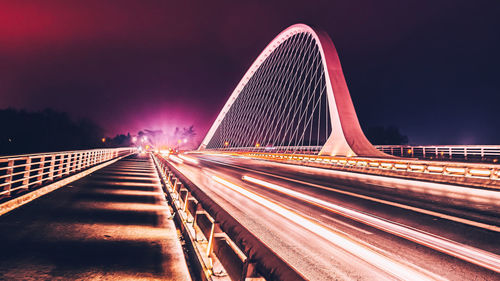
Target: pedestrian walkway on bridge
(112,224)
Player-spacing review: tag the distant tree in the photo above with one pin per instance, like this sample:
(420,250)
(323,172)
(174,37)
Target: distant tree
(188,133)
(119,140)
(381,135)
(45,131)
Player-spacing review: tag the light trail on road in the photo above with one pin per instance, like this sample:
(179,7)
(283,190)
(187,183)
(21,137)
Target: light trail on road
(470,254)
(395,269)
(189,159)
(318,258)
(378,200)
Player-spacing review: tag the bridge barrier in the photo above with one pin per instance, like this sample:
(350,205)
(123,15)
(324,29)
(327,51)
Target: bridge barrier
(465,204)
(487,153)
(20,174)
(216,237)
(470,174)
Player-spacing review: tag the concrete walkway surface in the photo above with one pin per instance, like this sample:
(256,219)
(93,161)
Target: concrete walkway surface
(112,224)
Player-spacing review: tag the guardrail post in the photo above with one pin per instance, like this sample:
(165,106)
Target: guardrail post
(26,174)
(170,179)
(80,161)
(206,225)
(72,164)
(68,164)
(177,186)
(84,160)
(228,256)
(215,231)
(52,166)
(41,167)
(183,196)
(88,158)
(8,179)
(60,166)
(76,161)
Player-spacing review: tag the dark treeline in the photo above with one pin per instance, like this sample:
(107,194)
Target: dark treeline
(50,130)
(45,131)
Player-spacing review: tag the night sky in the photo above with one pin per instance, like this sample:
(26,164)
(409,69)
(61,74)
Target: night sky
(431,68)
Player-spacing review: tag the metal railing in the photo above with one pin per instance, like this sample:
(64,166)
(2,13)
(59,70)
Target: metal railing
(216,235)
(273,149)
(488,153)
(476,174)
(20,173)
(472,153)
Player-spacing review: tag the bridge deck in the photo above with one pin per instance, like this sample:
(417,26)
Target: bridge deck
(112,224)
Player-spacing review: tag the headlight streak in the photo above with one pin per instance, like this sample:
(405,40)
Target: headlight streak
(464,252)
(395,204)
(393,268)
(188,159)
(175,159)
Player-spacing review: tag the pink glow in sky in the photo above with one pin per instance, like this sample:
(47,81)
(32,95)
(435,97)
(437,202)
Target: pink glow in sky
(427,68)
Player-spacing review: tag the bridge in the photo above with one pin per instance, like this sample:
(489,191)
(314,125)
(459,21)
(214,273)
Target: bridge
(285,186)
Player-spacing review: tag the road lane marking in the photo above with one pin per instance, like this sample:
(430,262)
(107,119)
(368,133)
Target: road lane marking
(461,251)
(346,224)
(376,259)
(382,201)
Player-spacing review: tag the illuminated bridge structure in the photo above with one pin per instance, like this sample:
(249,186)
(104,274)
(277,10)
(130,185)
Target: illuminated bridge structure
(350,212)
(293,99)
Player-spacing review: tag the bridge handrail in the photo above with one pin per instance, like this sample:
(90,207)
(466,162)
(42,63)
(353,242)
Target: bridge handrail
(450,152)
(20,173)
(474,174)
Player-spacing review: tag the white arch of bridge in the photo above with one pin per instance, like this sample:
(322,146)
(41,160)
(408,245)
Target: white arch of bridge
(346,137)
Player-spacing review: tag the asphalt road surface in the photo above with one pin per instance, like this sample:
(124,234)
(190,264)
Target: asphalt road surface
(332,227)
